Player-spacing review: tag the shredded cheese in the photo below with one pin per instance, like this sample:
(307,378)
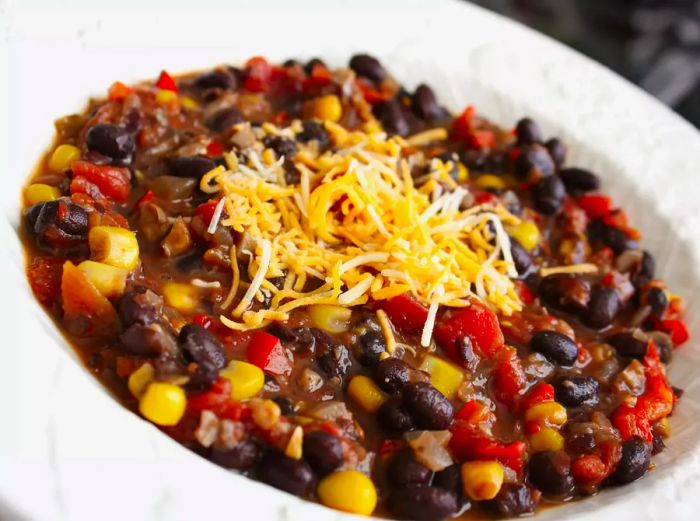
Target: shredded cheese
(574,268)
(358,223)
(387,331)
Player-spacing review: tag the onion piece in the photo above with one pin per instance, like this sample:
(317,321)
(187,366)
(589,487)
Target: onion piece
(429,448)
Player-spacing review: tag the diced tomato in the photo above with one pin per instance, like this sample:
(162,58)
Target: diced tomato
(119,91)
(215,148)
(206,210)
(266,351)
(480,139)
(468,443)
(214,399)
(595,205)
(319,77)
(524,292)
(371,94)
(258,75)
(486,198)
(405,313)
(478,323)
(462,124)
(588,469)
(542,392)
(201,320)
(166,82)
(111,181)
(44,274)
(389,447)
(509,377)
(84,304)
(631,422)
(475,412)
(677,329)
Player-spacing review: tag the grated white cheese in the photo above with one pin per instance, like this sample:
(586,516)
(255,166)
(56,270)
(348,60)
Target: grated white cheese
(217,215)
(356,291)
(255,284)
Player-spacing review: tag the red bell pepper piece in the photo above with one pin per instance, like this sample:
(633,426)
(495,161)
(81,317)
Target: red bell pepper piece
(118,91)
(206,210)
(110,181)
(266,351)
(258,76)
(595,205)
(468,443)
(462,124)
(166,82)
(215,148)
(677,329)
(631,422)
(509,377)
(478,323)
(475,412)
(405,313)
(540,393)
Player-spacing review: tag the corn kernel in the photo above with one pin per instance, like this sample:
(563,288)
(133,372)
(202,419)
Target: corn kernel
(40,193)
(548,439)
(139,379)
(490,182)
(444,376)
(115,246)
(294,445)
(663,427)
(349,491)
(550,414)
(527,234)
(332,319)
(482,479)
(109,280)
(63,157)
(265,413)
(366,393)
(182,297)
(163,403)
(462,173)
(246,379)
(326,108)
(188,103)
(164,97)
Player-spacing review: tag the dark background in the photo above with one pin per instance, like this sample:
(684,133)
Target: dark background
(653,43)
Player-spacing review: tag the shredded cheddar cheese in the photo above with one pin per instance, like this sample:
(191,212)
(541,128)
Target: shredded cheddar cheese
(362,226)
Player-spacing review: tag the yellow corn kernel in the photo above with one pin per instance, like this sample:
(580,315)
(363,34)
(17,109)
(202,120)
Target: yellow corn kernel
(265,413)
(188,102)
(366,393)
(63,157)
(462,173)
(109,280)
(332,319)
(349,491)
(526,233)
(40,193)
(115,246)
(549,414)
(182,297)
(444,376)
(490,182)
(246,379)
(294,445)
(326,108)
(164,96)
(139,379)
(546,440)
(163,403)
(482,479)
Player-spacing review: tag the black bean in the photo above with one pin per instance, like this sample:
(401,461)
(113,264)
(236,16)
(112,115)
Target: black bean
(291,62)
(579,181)
(427,406)
(556,347)
(550,472)
(664,345)
(392,374)
(627,344)
(450,479)
(393,417)
(404,470)
(423,503)
(581,442)
(557,151)
(602,308)
(568,293)
(658,301)
(527,132)
(657,443)
(573,391)
(512,500)
(512,202)
(287,405)
(424,103)
(73,219)
(335,362)
(466,353)
(534,161)
(199,345)
(219,79)
(368,67)
(293,476)
(617,240)
(282,146)
(647,269)
(149,340)
(241,457)
(391,115)
(57,223)
(224,119)
(548,195)
(634,462)
(521,258)
(111,141)
(323,451)
(370,345)
(139,306)
(314,130)
(191,166)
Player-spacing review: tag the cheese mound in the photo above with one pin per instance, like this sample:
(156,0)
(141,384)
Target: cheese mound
(357,227)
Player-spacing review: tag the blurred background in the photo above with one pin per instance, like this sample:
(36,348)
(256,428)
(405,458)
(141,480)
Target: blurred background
(653,43)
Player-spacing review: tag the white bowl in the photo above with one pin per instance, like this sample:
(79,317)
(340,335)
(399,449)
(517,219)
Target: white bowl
(69,451)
